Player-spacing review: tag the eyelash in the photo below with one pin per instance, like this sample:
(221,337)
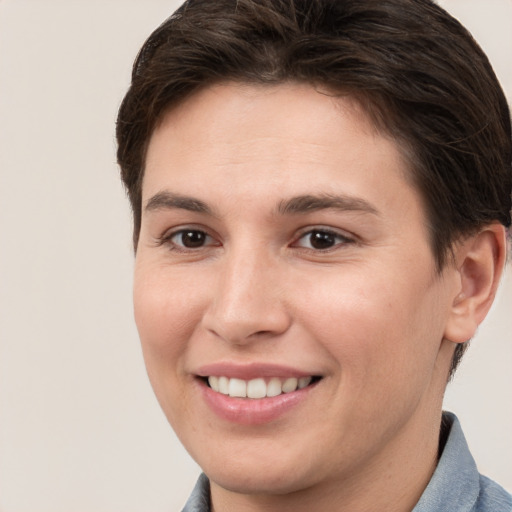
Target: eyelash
(167,239)
(342,239)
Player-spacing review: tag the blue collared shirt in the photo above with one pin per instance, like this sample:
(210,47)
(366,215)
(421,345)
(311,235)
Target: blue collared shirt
(455,486)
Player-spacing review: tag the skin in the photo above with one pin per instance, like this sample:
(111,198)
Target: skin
(369,314)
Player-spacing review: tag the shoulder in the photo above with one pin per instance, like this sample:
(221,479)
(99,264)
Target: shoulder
(492,497)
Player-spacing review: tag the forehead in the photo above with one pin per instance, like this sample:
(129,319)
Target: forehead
(291,129)
(250,106)
(235,146)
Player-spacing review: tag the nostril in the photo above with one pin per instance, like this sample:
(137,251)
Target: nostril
(260,334)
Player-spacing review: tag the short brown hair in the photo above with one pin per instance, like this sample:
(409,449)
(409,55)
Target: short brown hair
(416,71)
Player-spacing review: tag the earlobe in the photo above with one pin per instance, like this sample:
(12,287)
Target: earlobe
(479,261)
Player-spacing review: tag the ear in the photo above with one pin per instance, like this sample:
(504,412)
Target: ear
(479,263)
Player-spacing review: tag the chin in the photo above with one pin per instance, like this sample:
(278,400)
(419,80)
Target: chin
(260,481)
(262,470)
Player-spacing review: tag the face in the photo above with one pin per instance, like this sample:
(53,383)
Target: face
(286,297)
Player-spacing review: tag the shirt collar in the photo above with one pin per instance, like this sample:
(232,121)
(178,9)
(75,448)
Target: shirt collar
(454,485)
(199,500)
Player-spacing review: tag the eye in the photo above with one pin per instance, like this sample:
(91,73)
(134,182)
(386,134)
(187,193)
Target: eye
(321,240)
(190,239)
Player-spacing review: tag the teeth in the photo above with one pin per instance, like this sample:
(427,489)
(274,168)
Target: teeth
(214,383)
(237,388)
(274,387)
(257,388)
(304,381)
(290,385)
(224,385)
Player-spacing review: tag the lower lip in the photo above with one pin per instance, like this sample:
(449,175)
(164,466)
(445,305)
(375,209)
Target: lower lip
(248,411)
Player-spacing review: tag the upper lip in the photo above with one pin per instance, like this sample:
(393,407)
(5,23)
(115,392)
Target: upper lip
(250,371)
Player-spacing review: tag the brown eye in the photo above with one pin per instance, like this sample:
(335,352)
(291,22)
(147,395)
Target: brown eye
(321,239)
(190,238)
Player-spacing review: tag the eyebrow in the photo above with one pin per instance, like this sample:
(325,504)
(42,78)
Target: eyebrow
(168,201)
(311,203)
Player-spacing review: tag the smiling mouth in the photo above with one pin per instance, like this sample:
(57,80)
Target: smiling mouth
(258,388)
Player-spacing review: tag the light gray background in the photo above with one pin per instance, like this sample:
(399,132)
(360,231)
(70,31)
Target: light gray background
(80,429)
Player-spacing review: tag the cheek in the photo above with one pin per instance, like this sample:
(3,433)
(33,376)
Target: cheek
(167,310)
(375,325)
(166,314)
(384,340)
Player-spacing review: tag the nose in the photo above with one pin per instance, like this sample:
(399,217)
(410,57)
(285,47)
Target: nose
(248,302)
